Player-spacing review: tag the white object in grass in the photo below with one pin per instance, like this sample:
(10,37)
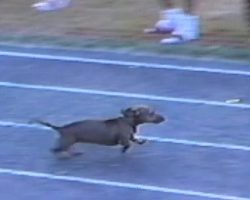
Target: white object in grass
(50,5)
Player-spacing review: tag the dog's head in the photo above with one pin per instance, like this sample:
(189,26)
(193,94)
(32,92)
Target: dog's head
(142,114)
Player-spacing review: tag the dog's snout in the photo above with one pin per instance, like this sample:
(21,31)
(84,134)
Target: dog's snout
(160,118)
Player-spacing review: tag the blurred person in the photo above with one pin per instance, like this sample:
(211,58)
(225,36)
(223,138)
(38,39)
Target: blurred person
(166,19)
(179,23)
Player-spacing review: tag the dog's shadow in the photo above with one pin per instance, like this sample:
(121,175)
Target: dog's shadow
(103,160)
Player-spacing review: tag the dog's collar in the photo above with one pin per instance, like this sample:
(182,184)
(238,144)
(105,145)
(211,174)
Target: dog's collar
(132,122)
(134,129)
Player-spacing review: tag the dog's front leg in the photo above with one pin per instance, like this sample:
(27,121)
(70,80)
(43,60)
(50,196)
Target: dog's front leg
(124,141)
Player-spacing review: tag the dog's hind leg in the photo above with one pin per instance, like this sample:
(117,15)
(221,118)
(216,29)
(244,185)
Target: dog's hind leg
(63,144)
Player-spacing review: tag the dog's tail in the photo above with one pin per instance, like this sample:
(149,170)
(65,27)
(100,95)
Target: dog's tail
(38,121)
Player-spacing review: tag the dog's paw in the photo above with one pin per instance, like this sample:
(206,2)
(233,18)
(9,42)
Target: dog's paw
(76,153)
(64,155)
(142,141)
(125,148)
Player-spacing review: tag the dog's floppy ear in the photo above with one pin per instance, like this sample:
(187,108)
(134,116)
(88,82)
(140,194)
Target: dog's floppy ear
(127,112)
(130,112)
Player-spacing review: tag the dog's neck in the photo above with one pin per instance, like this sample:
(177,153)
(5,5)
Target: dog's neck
(133,122)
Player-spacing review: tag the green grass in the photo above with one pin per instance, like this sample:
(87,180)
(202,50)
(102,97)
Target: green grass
(131,46)
(118,25)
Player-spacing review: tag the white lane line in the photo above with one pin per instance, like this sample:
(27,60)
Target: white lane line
(124,185)
(149,138)
(120,63)
(197,143)
(121,94)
